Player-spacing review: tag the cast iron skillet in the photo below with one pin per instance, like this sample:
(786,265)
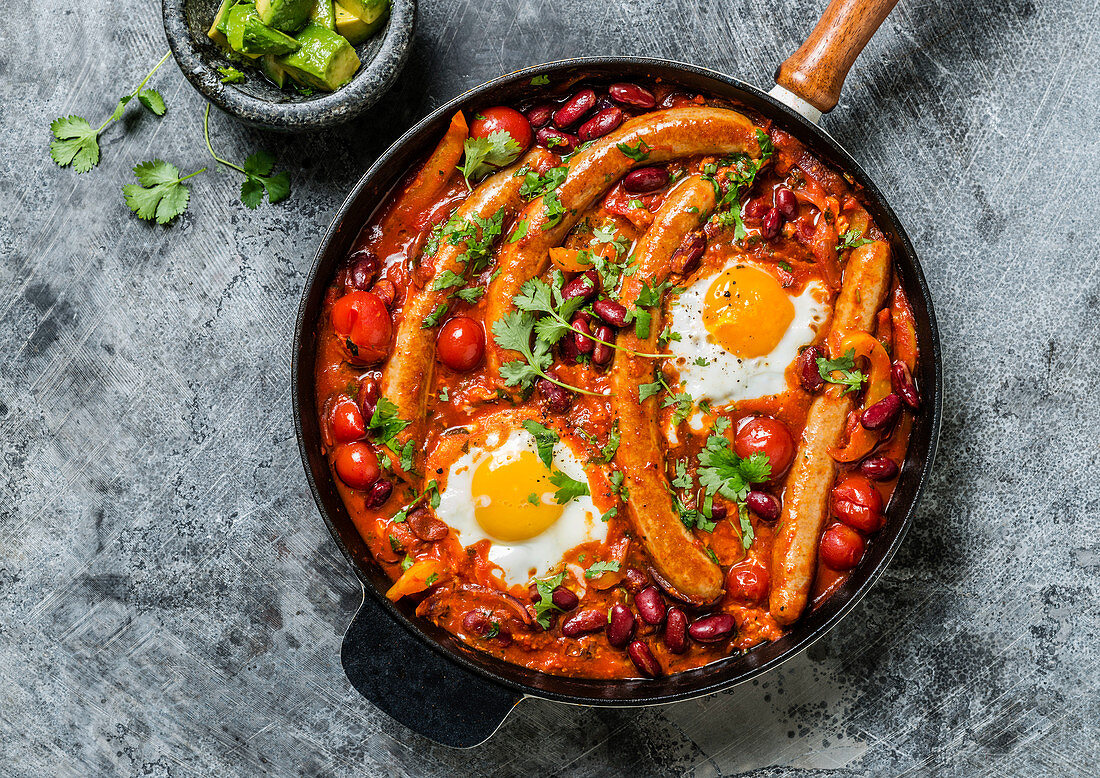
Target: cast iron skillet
(421,675)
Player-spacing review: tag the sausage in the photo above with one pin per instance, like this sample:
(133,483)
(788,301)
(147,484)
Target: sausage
(669,134)
(673,549)
(408,373)
(805,501)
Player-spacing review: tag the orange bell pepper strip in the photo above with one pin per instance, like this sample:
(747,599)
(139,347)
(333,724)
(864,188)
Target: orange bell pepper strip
(421,193)
(864,346)
(905,330)
(417,578)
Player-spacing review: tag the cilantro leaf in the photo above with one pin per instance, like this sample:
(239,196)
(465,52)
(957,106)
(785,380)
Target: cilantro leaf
(852,239)
(544,441)
(433,319)
(152,100)
(483,155)
(613,437)
(545,607)
(159,193)
(553,209)
(842,371)
(568,488)
(446,280)
(721,471)
(638,152)
(76,144)
(519,231)
(471,294)
(259,164)
(385,425)
(256,170)
(645,391)
(535,185)
(599,568)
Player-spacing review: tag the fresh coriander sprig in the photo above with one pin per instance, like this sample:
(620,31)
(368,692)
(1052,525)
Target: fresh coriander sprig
(513,332)
(852,239)
(722,472)
(76,142)
(159,193)
(256,170)
(483,155)
(842,371)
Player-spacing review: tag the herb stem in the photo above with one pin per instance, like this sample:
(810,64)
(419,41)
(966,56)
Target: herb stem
(200,170)
(632,352)
(140,86)
(206,136)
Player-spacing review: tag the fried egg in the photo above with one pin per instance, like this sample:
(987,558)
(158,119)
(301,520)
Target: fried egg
(740,330)
(500,490)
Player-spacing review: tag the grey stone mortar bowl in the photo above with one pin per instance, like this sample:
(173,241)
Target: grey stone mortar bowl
(258,102)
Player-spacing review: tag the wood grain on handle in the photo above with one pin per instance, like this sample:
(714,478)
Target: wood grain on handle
(817,70)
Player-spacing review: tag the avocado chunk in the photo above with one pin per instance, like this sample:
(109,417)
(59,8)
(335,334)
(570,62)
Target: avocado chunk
(324,13)
(273,69)
(367,10)
(249,36)
(284,15)
(325,60)
(355,29)
(217,29)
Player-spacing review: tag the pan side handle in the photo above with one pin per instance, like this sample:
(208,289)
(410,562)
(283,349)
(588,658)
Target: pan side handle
(815,73)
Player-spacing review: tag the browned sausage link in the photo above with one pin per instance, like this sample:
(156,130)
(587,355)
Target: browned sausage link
(805,502)
(673,549)
(408,373)
(669,134)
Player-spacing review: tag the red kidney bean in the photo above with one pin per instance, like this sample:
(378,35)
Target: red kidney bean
(645,180)
(632,95)
(808,373)
(477,622)
(426,526)
(756,208)
(602,354)
(879,468)
(764,505)
(368,396)
(643,659)
(600,124)
(539,115)
(685,259)
(620,626)
(675,100)
(556,141)
(386,292)
(611,312)
(650,605)
(581,339)
(635,580)
(882,414)
(564,599)
(362,270)
(574,108)
(567,348)
(786,202)
(772,222)
(676,636)
(533,593)
(584,285)
(504,637)
(378,493)
(558,398)
(902,381)
(711,629)
(718,511)
(583,622)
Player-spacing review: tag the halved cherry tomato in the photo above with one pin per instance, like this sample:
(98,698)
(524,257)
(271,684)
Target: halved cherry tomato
(357,465)
(858,503)
(363,322)
(747,582)
(501,118)
(841,547)
(768,436)
(461,343)
(347,421)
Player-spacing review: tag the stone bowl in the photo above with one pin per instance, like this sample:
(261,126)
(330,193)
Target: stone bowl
(258,102)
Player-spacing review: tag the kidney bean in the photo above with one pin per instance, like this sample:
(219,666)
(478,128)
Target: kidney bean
(650,605)
(764,505)
(539,115)
(676,636)
(602,354)
(611,312)
(581,339)
(711,629)
(675,100)
(362,270)
(533,593)
(635,580)
(685,259)
(564,599)
(902,381)
(718,511)
(645,180)
(504,637)
(567,348)
(558,398)
(786,202)
(642,658)
(620,626)
(600,124)
(879,468)
(583,622)
(632,95)
(808,374)
(378,493)
(574,108)
(368,396)
(386,292)
(584,285)
(557,141)
(426,526)
(477,622)
(882,414)
(772,222)
(756,208)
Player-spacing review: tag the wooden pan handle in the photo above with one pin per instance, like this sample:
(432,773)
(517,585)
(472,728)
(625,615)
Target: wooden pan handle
(817,70)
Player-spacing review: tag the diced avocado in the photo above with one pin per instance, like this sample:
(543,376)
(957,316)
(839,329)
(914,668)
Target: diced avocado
(355,29)
(217,28)
(367,10)
(286,15)
(325,60)
(273,69)
(251,37)
(324,13)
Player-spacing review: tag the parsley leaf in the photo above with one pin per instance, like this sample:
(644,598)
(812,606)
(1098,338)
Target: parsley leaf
(160,193)
(568,488)
(845,366)
(535,185)
(471,294)
(553,208)
(638,152)
(599,568)
(483,155)
(544,441)
(545,606)
(385,425)
(852,239)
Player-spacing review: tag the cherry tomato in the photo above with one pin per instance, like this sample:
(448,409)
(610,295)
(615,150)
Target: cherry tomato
(858,503)
(501,118)
(361,319)
(347,421)
(768,436)
(461,343)
(747,582)
(357,465)
(841,547)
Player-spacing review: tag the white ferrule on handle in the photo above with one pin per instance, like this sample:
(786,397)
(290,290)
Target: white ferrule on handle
(790,99)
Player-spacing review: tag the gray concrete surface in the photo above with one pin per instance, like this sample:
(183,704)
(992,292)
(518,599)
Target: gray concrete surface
(170,602)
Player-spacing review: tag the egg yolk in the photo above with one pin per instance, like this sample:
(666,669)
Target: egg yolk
(747,311)
(515,500)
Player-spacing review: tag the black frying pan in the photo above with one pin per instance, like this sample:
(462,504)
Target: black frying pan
(423,676)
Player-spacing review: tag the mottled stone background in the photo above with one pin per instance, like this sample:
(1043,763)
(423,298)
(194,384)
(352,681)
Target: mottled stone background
(170,601)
